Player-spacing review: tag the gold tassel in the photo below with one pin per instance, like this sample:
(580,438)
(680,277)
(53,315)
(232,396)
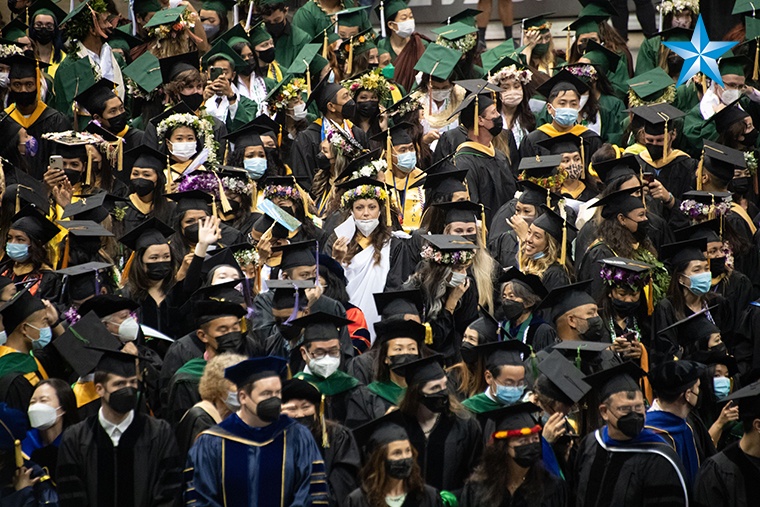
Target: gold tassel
(213,207)
(226,208)
(308,78)
(756,68)
(226,152)
(120,155)
(483,231)
(168,176)
(88,174)
(350,66)
(563,256)
(428,333)
(279,137)
(548,199)
(127,269)
(699,170)
(704,83)
(649,294)
(254,196)
(475,118)
(666,141)
(66,253)
(325,43)
(583,160)
(17,451)
(304,198)
(325,441)
(388,220)
(18,199)
(567,53)
(389,151)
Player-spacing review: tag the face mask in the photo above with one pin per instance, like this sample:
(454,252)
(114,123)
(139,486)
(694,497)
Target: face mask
(655,151)
(4,80)
(348,110)
(750,138)
(730,95)
(118,122)
(528,454)
(191,233)
(290,333)
(624,308)
(388,72)
(582,46)
(721,387)
(498,126)
(436,403)
(719,350)
(23,99)
(739,186)
(509,395)
(17,251)
(123,400)
(399,468)
(158,270)
(299,111)
(511,309)
(631,424)
(3,337)
(512,98)
(72,175)
(46,335)
(193,101)
(42,416)
(468,352)
(366,227)
(565,116)
(331,77)
(232,402)
(641,231)
(594,331)
(275,29)
(211,30)
(407,161)
(457,279)
(574,171)
(538,255)
(583,101)
(248,69)
(269,409)
(325,366)
(43,36)
(309,421)
(141,186)
(540,50)
(368,109)
(700,283)
(440,95)
(322,161)
(128,329)
(405,29)
(717,266)
(230,342)
(402,359)
(256,167)
(183,151)
(266,56)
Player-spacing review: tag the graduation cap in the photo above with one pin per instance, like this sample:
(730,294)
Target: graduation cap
(514,420)
(245,136)
(93,99)
(598,55)
(623,377)
(721,160)
(406,104)
(658,120)
(223,6)
(83,280)
(598,8)
(422,370)
(28,191)
(191,200)
(446,182)
(563,299)
(225,257)
(386,10)
(732,64)
(179,108)
(145,71)
(85,228)
(728,116)
(217,301)
(256,368)
(353,16)
(14,30)
(438,62)
(147,158)
(696,328)
(235,35)
(75,344)
(13,427)
(165,17)
(584,25)
(537,22)
(151,232)
(671,378)
(298,389)
(172,66)
(459,211)
(649,87)
(258,34)
(289,293)
(501,56)
(398,327)
(706,197)
(529,281)
(536,195)
(621,201)
(486,326)
(31,221)
(23,66)
(564,143)
(45,7)
(566,382)
(222,50)
(310,63)
(399,134)
(748,399)
(551,222)
(124,33)
(466,16)
(104,305)
(622,271)
(324,93)
(507,352)
(482,95)
(146,6)
(684,251)
(297,254)
(562,81)
(608,170)
(265,222)
(357,163)
(400,302)
(709,230)
(95,207)
(115,362)
(381,431)
(18,308)
(455,246)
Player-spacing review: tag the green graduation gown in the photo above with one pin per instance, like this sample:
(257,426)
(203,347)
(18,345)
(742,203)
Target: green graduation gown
(480,403)
(287,45)
(312,19)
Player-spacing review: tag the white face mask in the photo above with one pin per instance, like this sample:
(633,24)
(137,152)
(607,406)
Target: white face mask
(232,402)
(584,99)
(730,96)
(440,95)
(3,337)
(183,151)
(325,366)
(512,98)
(128,330)
(457,279)
(405,28)
(299,111)
(42,416)
(4,80)
(366,227)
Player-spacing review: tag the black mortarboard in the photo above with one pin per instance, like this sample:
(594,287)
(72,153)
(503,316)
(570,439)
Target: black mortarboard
(553,224)
(92,207)
(93,98)
(518,418)
(562,81)
(285,292)
(18,308)
(297,254)
(486,326)
(320,326)
(333,266)
(178,108)
(398,327)
(422,370)
(298,389)
(224,257)
(23,66)
(400,302)
(563,299)
(608,170)
(472,108)
(446,182)
(381,431)
(535,194)
(83,280)
(696,328)
(256,368)
(564,376)
(622,201)
(357,163)
(324,93)
(684,251)
(449,242)
(721,160)
(540,166)
(460,211)
(620,378)
(74,345)
(115,362)
(671,378)
(29,191)
(399,134)
(219,305)
(174,65)
(565,143)
(729,115)
(151,232)
(247,135)
(656,116)
(146,157)
(107,304)
(508,352)
(748,399)
(265,222)
(706,196)
(191,200)
(708,230)
(626,272)
(31,221)
(85,228)
(532,282)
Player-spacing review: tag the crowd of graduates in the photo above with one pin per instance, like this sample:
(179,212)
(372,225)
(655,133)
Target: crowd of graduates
(298,253)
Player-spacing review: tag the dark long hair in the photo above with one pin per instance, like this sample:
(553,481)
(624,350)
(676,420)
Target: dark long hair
(676,291)
(375,479)
(336,288)
(619,239)
(66,399)
(411,403)
(162,208)
(138,282)
(380,236)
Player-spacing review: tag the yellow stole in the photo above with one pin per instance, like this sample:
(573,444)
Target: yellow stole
(549,130)
(486,150)
(21,119)
(659,164)
(576,193)
(736,208)
(142,207)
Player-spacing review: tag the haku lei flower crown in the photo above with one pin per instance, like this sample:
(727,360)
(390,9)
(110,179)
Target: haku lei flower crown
(7,50)
(586,72)
(669,95)
(447,258)
(208,182)
(370,170)
(678,5)
(201,126)
(550,182)
(187,20)
(363,192)
(616,277)
(699,212)
(291,91)
(511,72)
(372,81)
(247,257)
(281,191)
(463,44)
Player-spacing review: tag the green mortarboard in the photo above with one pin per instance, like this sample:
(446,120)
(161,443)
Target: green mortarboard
(146,6)
(46,7)
(222,6)
(124,33)
(602,57)
(538,22)
(466,16)
(259,34)
(332,37)
(353,16)
(75,12)
(584,25)
(501,56)
(165,17)
(454,31)
(14,30)
(752,27)
(438,61)
(235,35)
(222,50)
(650,85)
(600,10)
(309,60)
(390,8)
(745,6)
(172,66)
(676,34)
(731,64)
(145,71)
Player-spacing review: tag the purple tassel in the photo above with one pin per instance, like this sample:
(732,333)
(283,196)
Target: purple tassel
(294,315)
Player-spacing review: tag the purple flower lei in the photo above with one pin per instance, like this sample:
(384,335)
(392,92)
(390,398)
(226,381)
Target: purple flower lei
(363,192)
(71,315)
(622,278)
(457,257)
(285,192)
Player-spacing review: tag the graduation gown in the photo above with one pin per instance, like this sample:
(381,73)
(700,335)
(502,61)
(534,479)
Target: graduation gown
(389,392)
(233,464)
(728,479)
(363,367)
(180,352)
(678,434)
(144,470)
(47,120)
(530,148)
(499,223)
(346,400)
(534,332)
(313,20)
(649,55)
(489,177)
(150,138)
(342,462)
(428,498)
(289,43)
(553,494)
(481,403)
(746,347)
(665,315)
(677,173)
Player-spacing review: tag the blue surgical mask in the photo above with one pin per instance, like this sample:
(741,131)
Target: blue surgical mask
(331,77)
(700,283)
(407,161)
(539,255)
(46,335)
(566,116)
(3,337)
(509,395)
(19,252)
(256,167)
(722,386)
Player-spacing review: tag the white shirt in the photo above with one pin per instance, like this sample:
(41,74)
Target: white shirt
(219,106)
(115,431)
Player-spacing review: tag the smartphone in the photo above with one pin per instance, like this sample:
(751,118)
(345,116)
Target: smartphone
(630,336)
(56,162)
(215,72)
(648,177)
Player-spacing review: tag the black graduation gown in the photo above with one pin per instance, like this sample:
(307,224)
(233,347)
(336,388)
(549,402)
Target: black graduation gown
(450,453)
(736,289)
(665,315)
(143,471)
(540,334)
(190,426)
(132,139)
(529,146)
(499,223)
(342,462)
(354,407)
(729,479)
(553,494)
(163,317)
(678,177)
(555,276)
(746,348)
(505,248)
(428,498)
(49,121)
(180,352)
(589,268)
(489,178)
(306,148)
(363,367)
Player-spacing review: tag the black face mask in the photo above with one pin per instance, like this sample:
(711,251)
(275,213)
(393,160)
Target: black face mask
(141,186)
(43,35)
(269,409)
(641,231)
(118,122)
(12,6)
(322,161)
(739,186)
(191,233)
(373,65)
(368,109)
(309,421)
(193,101)
(399,468)
(717,266)
(234,341)
(436,403)
(595,328)
(402,359)
(631,424)
(348,110)
(511,309)
(719,350)
(469,354)
(624,308)
(248,69)
(751,138)
(290,333)
(23,99)
(582,47)
(158,270)
(266,56)
(73,176)
(655,151)
(275,29)
(498,126)
(123,400)
(528,454)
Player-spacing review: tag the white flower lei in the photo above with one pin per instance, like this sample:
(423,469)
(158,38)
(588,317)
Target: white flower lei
(370,170)
(462,44)
(678,5)
(7,50)
(511,72)
(749,158)
(201,126)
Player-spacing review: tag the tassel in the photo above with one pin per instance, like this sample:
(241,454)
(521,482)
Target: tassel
(578,361)
(388,220)
(308,78)
(483,231)
(17,451)
(699,170)
(548,198)
(666,147)
(567,53)
(213,207)
(428,333)
(350,66)
(226,152)
(389,151)
(325,442)
(583,159)
(279,137)
(649,294)
(18,199)
(754,184)
(294,313)
(88,174)
(226,208)
(254,196)
(257,282)
(304,198)
(475,118)
(756,68)
(534,362)
(325,43)
(563,255)
(168,176)
(382,19)
(127,268)
(97,283)
(704,83)
(66,253)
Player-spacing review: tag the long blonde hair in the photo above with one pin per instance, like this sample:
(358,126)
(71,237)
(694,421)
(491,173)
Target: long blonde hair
(537,267)
(483,268)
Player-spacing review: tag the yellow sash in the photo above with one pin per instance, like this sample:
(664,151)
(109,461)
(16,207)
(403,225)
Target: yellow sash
(658,164)
(85,393)
(549,130)
(142,207)
(736,208)
(23,121)
(487,150)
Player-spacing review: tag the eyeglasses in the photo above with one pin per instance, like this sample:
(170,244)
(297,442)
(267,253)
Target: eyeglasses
(627,409)
(41,26)
(320,353)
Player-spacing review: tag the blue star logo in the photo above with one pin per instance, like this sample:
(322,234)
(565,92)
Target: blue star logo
(700,54)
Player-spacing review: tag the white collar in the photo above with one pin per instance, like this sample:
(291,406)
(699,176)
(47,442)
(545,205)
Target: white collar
(112,428)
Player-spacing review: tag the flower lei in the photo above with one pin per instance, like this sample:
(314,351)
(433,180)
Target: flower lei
(371,81)
(660,274)
(700,212)
(119,213)
(624,278)
(370,170)
(247,257)
(284,192)
(72,316)
(553,181)
(338,141)
(186,21)
(447,258)
(524,76)
(291,91)
(7,50)
(462,44)
(235,185)
(587,71)
(134,90)
(669,95)
(409,105)
(78,26)
(678,5)
(201,126)
(363,192)
(751,161)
